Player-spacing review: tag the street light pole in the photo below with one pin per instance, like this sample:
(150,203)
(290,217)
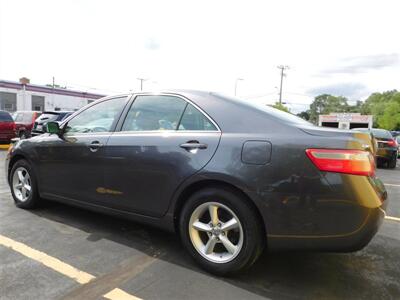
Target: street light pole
(282,68)
(236,82)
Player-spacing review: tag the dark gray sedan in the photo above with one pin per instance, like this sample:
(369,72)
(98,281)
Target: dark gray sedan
(230,177)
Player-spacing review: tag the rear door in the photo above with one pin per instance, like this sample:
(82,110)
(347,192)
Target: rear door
(162,140)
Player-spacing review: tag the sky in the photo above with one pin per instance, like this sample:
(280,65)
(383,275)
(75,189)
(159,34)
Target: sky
(347,48)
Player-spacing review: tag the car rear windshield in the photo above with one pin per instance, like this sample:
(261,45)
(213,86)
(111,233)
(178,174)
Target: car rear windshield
(25,117)
(48,117)
(5,117)
(276,113)
(382,133)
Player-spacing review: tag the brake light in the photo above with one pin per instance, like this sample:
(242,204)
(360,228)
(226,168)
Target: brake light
(354,162)
(392,143)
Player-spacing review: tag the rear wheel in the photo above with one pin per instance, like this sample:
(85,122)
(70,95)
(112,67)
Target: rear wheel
(392,163)
(23,135)
(221,231)
(23,185)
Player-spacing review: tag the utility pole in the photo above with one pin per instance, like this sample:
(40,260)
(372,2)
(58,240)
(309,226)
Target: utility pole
(282,68)
(236,82)
(141,82)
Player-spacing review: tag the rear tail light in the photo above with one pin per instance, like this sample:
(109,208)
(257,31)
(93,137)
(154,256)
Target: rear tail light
(392,143)
(354,162)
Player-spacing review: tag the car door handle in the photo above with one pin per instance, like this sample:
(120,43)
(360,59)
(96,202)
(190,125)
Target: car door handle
(95,145)
(193,145)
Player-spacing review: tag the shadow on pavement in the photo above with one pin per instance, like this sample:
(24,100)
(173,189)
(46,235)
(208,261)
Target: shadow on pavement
(372,273)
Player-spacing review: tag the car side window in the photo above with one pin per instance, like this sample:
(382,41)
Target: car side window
(98,118)
(154,113)
(193,119)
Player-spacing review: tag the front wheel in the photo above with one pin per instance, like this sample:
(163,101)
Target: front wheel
(23,185)
(221,231)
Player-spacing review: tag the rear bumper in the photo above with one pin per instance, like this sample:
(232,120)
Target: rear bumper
(349,242)
(5,138)
(342,220)
(386,153)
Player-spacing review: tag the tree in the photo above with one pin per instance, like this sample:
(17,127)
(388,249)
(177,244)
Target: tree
(304,115)
(280,106)
(325,104)
(385,107)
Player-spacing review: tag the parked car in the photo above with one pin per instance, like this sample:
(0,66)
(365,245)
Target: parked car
(398,145)
(7,127)
(24,121)
(47,116)
(229,176)
(387,151)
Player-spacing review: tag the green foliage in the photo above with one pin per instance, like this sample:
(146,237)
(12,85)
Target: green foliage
(385,107)
(325,104)
(280,106)
(304,115)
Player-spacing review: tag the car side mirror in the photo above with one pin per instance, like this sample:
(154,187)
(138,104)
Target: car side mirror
(53,127)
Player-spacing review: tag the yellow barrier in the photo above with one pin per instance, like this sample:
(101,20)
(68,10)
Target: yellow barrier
(4,147)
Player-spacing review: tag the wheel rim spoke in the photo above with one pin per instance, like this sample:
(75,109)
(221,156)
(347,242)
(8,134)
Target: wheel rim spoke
(209,247)
(27,187)
(200,226)
(231,224)
(228,245)
(20,176)
(213,210)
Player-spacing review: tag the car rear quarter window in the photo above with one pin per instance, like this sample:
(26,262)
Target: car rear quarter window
(5,117)
(193,119)
(154,113)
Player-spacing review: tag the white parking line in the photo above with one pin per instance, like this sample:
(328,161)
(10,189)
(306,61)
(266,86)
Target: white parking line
(392,184)
(118,294)
(60,267)
(392,218)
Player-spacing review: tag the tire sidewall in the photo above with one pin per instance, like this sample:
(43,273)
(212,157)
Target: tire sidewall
(252,238)
(33,197)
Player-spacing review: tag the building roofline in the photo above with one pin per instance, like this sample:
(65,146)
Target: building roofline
(49,90)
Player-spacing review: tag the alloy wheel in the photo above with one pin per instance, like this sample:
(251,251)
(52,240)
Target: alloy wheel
(21,183)
(216,232)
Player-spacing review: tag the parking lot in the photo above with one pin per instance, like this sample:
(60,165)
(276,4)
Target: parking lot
(61,252)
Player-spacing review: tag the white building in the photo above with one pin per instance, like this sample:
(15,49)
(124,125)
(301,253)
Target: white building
(23,95)
(345,120)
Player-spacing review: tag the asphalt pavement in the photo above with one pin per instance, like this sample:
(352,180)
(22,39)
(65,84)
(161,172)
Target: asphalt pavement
(61,252)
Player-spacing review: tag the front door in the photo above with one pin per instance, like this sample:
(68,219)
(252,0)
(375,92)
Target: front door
(71,165)
(164,139)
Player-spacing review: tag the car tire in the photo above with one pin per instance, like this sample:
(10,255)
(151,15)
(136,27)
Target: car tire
(22,135)
(23,185)
(208,242)
(392,163)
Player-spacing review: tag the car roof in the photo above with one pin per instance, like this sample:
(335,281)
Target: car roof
(57,112)
(228,111)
